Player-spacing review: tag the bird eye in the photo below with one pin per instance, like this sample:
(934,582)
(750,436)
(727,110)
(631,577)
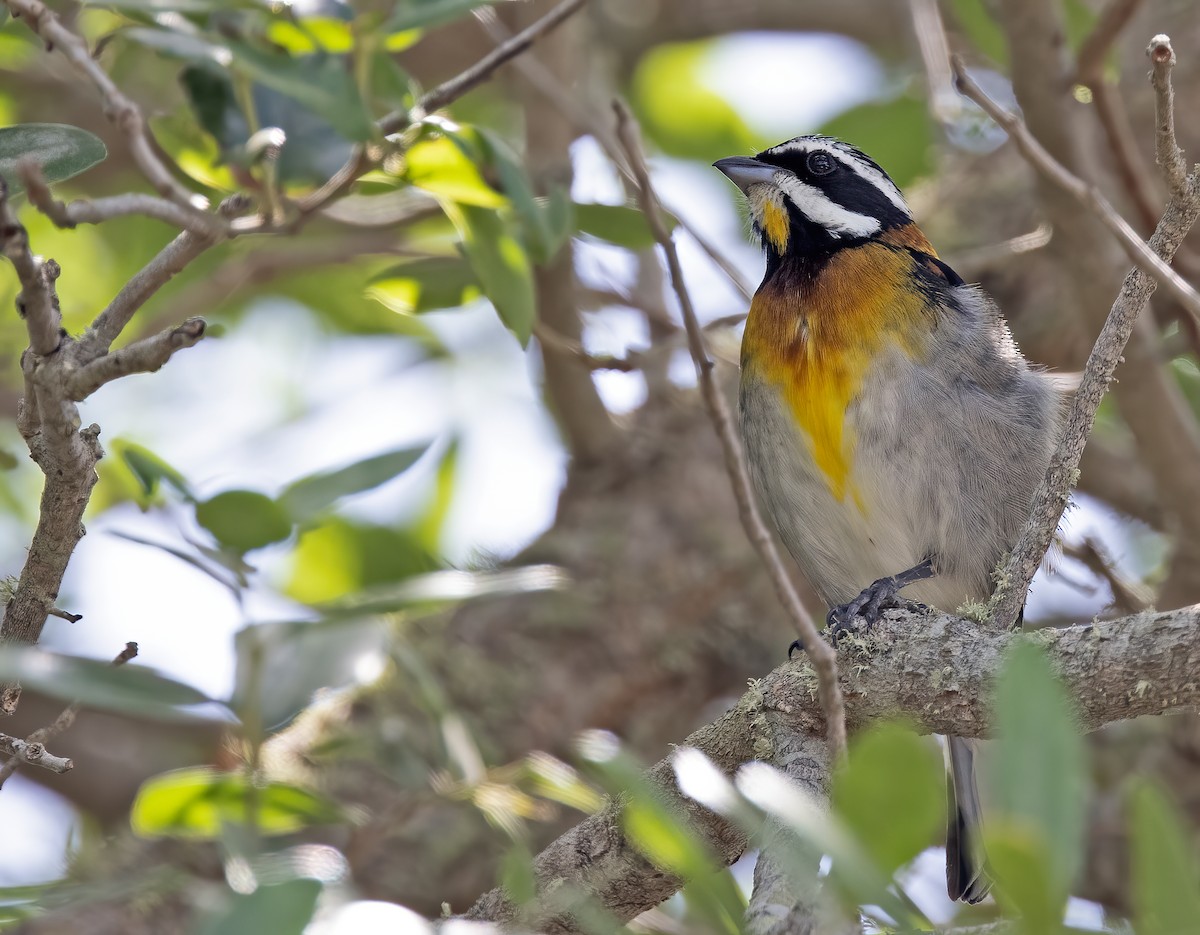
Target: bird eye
(820,163)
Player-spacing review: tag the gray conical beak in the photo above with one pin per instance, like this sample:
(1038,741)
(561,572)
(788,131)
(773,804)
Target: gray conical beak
(744,171)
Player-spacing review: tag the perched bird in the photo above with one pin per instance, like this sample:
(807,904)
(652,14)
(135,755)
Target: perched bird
(894,431)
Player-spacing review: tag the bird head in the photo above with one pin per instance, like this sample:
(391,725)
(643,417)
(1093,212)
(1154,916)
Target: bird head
(814,195)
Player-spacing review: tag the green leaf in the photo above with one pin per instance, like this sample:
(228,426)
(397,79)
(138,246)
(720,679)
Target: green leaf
(244,519)
(278,908)
(1038,762)
(1166,899)
(198,802)
(311,495)
(148,469)
(680,112)
(127,689)
(179,45)
(1025,884)
(501,264)
(899,134)
(418,286)
(439,166)
(516,875)
(890,793)
(322,83)
(60,150)
(620,224)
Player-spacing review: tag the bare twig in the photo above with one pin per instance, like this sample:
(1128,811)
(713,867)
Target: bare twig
(119,109)
(1181,212)
(822,656)
(1167,153)
(84,211)
(1142,255)
(24,751)
(144,356)
(944,103)
(170,260)
(1128,598)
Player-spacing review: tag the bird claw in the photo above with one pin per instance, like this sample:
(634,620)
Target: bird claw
(881,595)
(797,646)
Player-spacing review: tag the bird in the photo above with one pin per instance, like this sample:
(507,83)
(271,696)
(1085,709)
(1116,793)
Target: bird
(894,431)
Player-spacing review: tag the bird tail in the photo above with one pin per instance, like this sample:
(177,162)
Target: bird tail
(966,871)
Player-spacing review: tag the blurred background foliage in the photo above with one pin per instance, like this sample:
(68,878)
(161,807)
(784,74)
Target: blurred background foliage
(391,537)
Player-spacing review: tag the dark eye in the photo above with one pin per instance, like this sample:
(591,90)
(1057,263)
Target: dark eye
(820,163)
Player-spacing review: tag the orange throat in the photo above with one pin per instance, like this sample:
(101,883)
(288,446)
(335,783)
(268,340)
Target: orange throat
(815,337)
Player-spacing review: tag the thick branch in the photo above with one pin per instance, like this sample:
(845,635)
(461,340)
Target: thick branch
(935,671)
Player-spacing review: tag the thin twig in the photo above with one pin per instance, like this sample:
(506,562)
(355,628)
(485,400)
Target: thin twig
(820,654)
(1180,214)
(1167,153)
(366,157)
(85,211)
(144,356)
(1128,598)
(119,109)
(33,748)
(1142,256)
(944,103)
(543,81)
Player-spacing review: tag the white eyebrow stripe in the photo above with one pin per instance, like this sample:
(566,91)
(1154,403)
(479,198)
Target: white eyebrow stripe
(869,173)
(814,205)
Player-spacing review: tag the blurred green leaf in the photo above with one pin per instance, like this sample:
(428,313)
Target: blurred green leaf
(128,689)
(244,519)
(340,557)
(620,224)
(500,263)
(438,165)
(1025,880)
(61,151)
(516,875)
(199,802)
(148,469)
(680,113)
(1079,19)
(1038,761)
(898,134)
(322,83)
(310,495)
(413,14)
(981,29)
(429,525)
(1166,877)
(891,794)
(444,586)
(418,286)
(296,659)
(278,908)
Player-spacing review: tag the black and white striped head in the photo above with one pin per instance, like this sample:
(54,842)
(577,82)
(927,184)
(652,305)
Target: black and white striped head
(815,194)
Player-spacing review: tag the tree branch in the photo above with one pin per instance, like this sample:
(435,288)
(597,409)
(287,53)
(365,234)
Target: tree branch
(823,658)
(1018,569)
(1125,668)
(1167,153)
(144,356)
(119,109)
(37,302)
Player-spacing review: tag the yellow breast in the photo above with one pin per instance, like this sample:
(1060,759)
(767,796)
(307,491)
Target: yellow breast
(815,339)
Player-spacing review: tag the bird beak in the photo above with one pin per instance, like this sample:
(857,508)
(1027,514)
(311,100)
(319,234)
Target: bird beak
(744,172)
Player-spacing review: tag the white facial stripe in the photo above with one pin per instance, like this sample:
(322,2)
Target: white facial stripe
(869,173)
(814,205)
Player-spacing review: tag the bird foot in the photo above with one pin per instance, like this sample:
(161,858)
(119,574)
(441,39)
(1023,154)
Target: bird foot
(869,606)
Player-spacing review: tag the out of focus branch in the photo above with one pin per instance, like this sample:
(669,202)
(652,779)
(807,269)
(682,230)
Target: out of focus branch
(822,656)
(1050,500)
(1125,668)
